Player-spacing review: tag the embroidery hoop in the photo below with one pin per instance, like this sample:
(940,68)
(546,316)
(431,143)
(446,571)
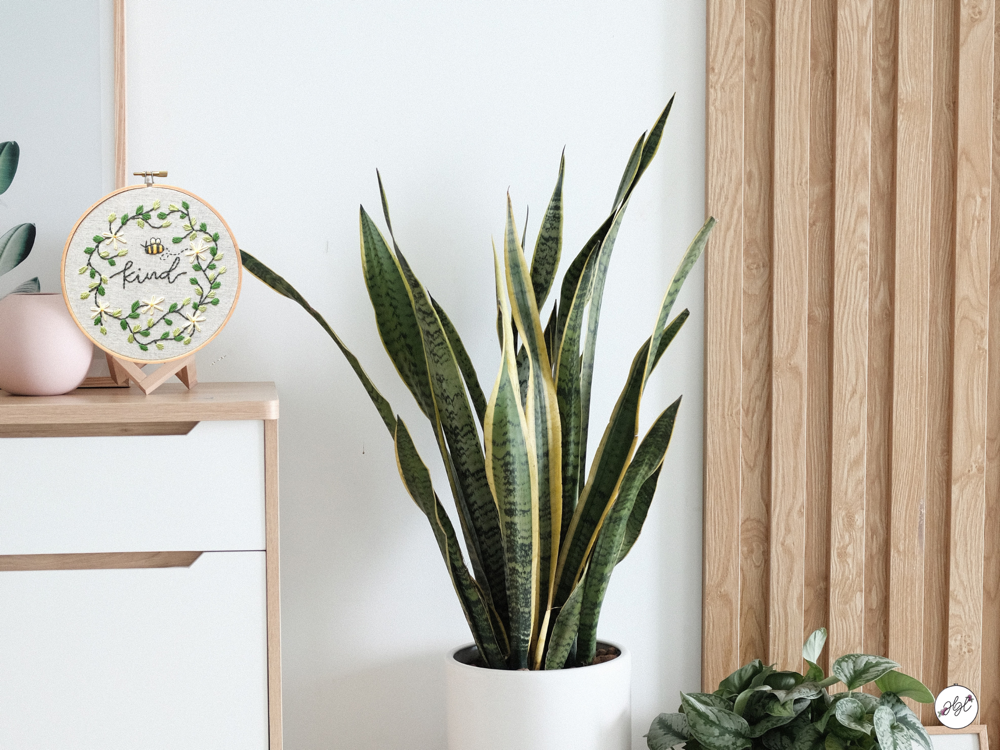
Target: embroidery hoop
(122,367)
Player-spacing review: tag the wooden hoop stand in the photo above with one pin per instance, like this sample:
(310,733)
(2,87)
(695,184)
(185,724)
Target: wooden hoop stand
(122,371)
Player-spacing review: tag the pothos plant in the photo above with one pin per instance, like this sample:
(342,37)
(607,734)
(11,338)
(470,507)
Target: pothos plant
(542,533)
(16,243)
(150,323)
(761,708)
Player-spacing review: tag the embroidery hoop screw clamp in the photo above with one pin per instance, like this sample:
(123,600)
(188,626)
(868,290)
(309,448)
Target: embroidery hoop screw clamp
(148,176)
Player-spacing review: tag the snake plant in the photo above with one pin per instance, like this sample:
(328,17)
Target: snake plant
(541,532)
(760,708)
(16,243)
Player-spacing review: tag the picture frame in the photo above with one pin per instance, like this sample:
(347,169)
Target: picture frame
(972,737)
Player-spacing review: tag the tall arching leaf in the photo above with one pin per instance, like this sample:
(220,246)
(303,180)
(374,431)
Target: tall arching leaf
(10,152)
(15,245)
(548,246)
(564,630)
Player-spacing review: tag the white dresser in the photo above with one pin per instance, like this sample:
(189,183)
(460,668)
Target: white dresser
(139,601)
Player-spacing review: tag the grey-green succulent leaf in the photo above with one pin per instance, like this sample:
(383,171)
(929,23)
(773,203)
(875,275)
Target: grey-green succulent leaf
(667,731)
(714,727)
(9,154)
(565,630)
(904,686)
(15,245)
(906,717)
(891,734)
(548,245)
(855,670)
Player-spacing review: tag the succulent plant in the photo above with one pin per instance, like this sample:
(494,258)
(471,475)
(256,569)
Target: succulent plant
(543,534)
(16,243)
(761,708)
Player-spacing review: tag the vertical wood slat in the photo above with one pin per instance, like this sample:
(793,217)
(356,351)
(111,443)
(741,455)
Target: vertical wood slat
(939,370)
(121,110)
(880,323)
(910,342)
(756,392)
(790,331)
(723,331)
(990,695)
(850,324)
(972,267)
(821,170)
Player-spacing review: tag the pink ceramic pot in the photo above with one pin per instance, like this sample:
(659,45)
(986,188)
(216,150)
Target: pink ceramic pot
(42,352)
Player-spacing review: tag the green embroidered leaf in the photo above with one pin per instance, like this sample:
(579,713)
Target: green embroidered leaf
(165,335)
(905,686)
(667,731)
(185,206)
(98,239)
(89,251)
(111,262)
(144,347)
(565,629)
(217,285)
(10,152)
(131,339)
(15,245)
(177,240)
(548,245)
(851,713)
(195,267)
(203,227)
(193,281)
(168,321)
(715,728)
(215,238)
(124,325)
(100,290)
(891,734)
(215,301)
(161,216)
(139,210)
(173,307)
(855,670)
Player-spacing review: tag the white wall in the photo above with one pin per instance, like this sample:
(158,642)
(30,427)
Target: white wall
(278,115)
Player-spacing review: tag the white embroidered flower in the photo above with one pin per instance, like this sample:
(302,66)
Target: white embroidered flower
(113,239)
(193,320)
(153,303)
(99,309)
(198,251)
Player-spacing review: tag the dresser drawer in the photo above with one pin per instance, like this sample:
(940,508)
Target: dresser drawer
(200,491)
(123,659)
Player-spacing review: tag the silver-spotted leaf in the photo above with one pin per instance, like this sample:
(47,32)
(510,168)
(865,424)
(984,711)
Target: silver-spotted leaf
(855,670)
(715,728)
(890,733)
(667,731)
(908,719)
(851,713)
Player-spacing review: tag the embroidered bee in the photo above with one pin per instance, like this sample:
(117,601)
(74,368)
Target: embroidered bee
(154,246)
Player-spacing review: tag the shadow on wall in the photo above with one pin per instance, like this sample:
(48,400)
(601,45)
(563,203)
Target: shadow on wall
(391,705)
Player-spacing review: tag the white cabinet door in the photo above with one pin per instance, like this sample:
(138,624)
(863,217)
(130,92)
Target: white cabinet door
(151,659)
(200,491)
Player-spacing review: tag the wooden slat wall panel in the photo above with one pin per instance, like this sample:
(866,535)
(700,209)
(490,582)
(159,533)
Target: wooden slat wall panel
(723,336)
(758,235)
(791,331)
(852,371)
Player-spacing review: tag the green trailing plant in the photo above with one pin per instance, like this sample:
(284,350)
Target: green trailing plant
(542,534)
(16,243)
(761,708)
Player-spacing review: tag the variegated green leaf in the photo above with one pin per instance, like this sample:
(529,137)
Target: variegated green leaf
(740,680)
(31,286)
(653,140)
(715,728)
(15,245)
(908,719)
(510,460)
(282,287)
(417,480)
(648,458)
(628,176)
(667,731)
(548,245)
(851,713)
(855,670)
(771,722)
(464,363)
(640,508)
(905,686)
(541,410)
(814,645)
(9,154)
(564,631)
(891,734)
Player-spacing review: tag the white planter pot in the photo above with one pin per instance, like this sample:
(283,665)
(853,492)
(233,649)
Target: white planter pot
(587,708)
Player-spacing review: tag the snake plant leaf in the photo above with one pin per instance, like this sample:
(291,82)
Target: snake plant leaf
(564,630)
(417,480)
(715,728)
(668,731)
(541,410)
(458,440)
(510,457)
(464,362)
(523,375)
(639,510)
(653,140)
(891,734)
(631,168)
(10,152)
(282,287)
(394,314)
(855,670)
(15,245)
(648,459)
(905,686)
(31,286)
(548,245)
(571,279)
(691,256)
(906,717)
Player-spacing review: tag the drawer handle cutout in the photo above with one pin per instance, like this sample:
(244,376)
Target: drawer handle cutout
(98,561)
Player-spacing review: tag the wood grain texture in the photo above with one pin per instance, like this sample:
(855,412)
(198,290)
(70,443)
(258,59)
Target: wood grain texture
(937,535)
(910,341)
(121,103)
(790,332)
(757,290)
(171,403)
(723,334)
(880,324)
(96,429)
(99,561)
(821,172)
(972,263)
(273,577)
(850,325)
